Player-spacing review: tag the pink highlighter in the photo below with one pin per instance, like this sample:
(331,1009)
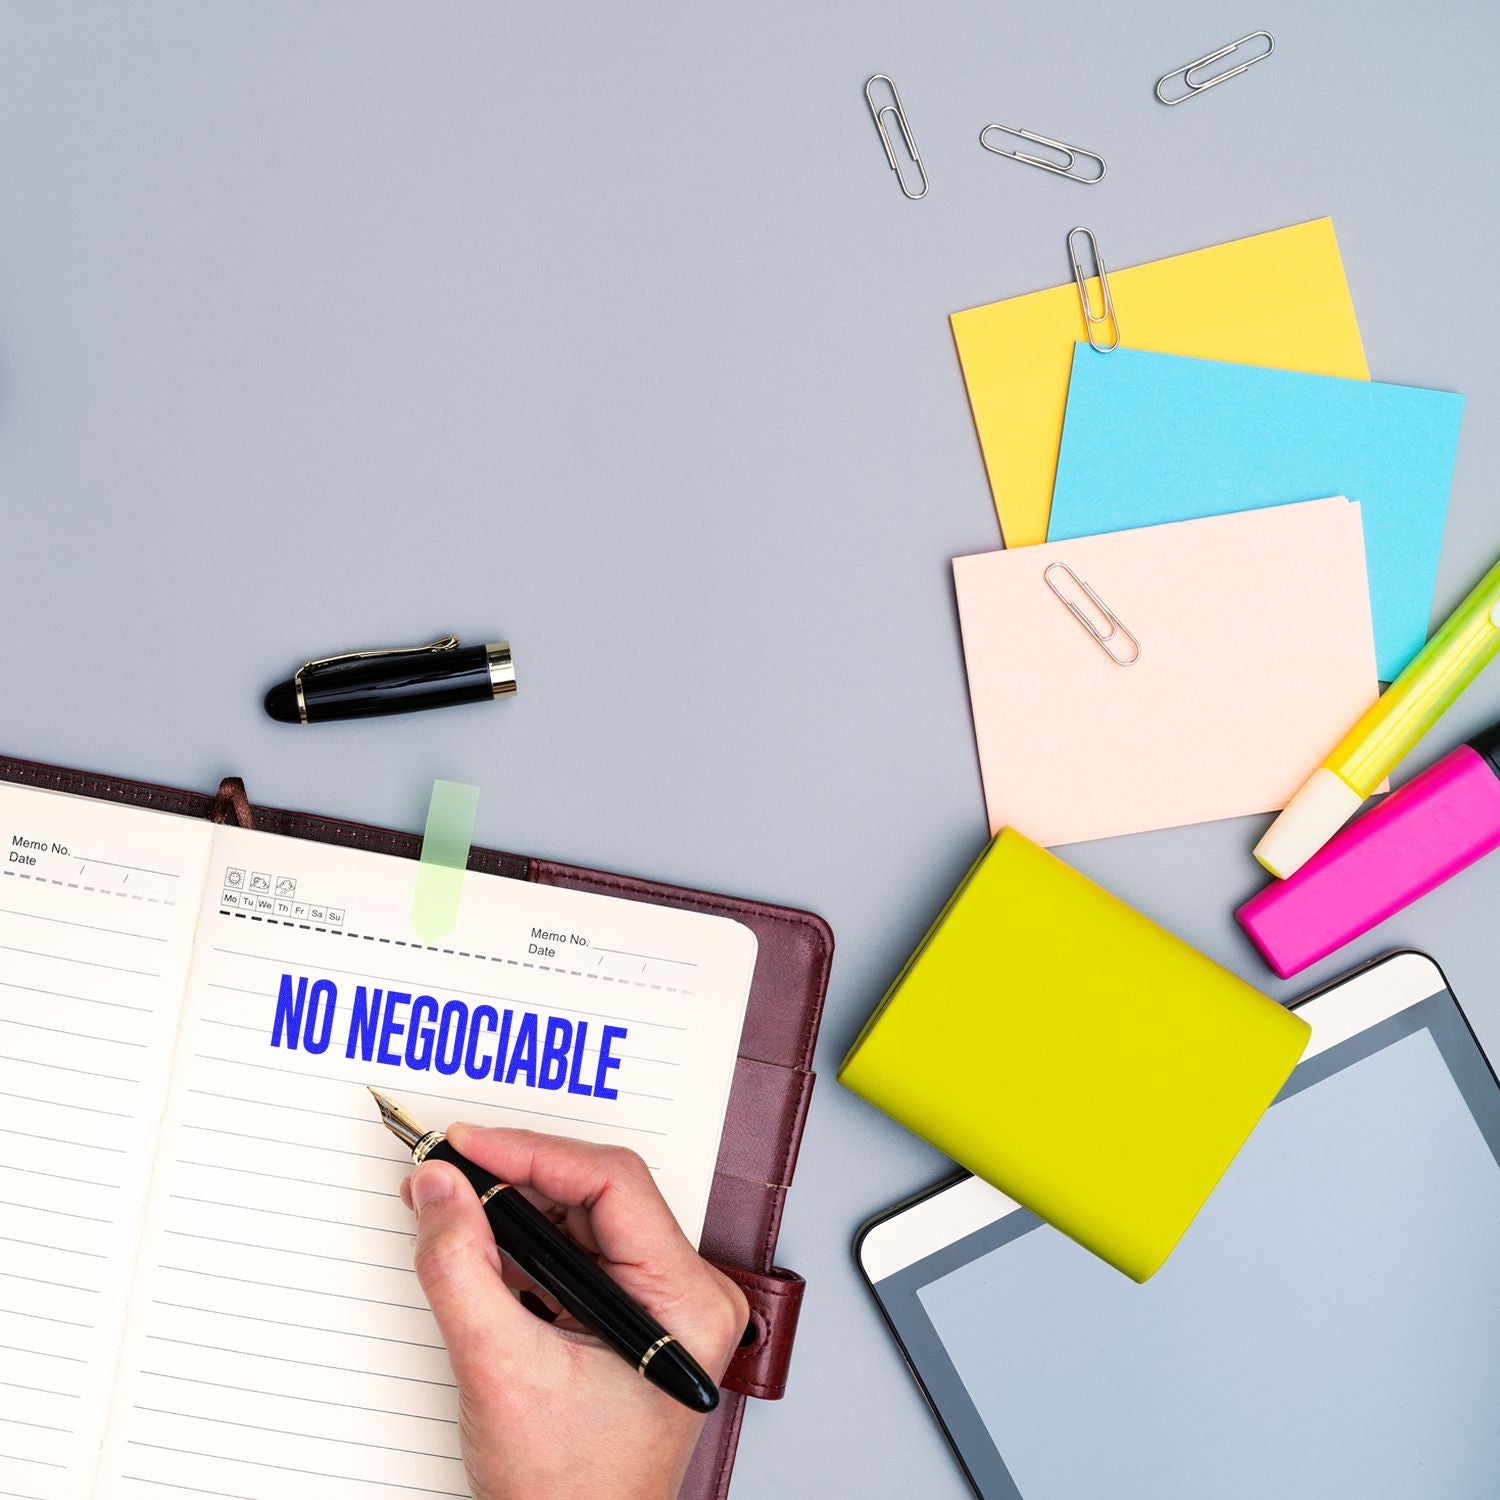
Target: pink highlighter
(1439,823)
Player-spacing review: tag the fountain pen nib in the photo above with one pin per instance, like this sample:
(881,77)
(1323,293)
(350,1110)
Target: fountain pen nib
(397,1121)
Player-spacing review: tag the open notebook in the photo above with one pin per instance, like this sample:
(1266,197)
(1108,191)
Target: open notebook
(205,1274)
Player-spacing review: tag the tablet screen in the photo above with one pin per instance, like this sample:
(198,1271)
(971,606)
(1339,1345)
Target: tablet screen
(1330,1325)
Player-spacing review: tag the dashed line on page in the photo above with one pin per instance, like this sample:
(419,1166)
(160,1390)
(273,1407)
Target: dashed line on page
(515,963)
(93,890)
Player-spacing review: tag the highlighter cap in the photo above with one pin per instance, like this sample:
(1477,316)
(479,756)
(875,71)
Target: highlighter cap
(1439,823)
(1324,804)
(1488,745)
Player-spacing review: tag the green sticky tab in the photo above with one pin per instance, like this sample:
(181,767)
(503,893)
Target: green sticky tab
(445,855)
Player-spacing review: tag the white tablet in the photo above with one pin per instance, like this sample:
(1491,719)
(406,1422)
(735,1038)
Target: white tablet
(1328,1328)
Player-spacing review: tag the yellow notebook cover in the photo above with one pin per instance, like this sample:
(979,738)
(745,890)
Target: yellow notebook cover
(1064,1047)
(1277,299)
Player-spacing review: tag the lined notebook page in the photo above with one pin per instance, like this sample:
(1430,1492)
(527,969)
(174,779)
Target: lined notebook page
(97,908)
(279,1342)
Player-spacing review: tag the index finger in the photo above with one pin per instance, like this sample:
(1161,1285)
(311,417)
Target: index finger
(630,1220)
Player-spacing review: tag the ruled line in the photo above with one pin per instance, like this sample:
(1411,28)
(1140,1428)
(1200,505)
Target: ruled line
(66,1286)
(348,1333)
(283,1359)
(301,1109)
(118,1114)
(82,1072)
(115,865)
(60,1213)
(541,1114)
(145,937)
(654,958)
(88,963)
(58,1140)
(250,1390)
(385,1484)
(340,1187)
(343,1260)
(72,1359)
(282,1286)
(48,1427)
(45,1318)
(66,1249)
(82,1036)
(317,1437)
(284,1213)
(5,1166)
(191,1489)
(31,989)
(41,1390)
(272,1140)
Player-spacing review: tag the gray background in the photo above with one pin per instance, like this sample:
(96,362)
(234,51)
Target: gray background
(605,328)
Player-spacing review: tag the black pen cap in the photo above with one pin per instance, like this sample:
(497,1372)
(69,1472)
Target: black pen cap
(366,684)
(281,703)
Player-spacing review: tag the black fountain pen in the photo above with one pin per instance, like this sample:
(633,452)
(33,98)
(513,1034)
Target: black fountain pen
(559,1267)
(395,680)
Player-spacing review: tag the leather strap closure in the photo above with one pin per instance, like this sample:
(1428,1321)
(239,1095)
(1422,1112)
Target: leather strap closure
(232,805)
(759,1366)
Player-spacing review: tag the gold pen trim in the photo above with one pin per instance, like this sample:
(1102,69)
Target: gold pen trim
(426,1144)
(502,668)
(485,1197)
(442,643)
(650,1354)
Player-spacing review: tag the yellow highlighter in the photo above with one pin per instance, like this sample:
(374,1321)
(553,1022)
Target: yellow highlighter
(1465,642)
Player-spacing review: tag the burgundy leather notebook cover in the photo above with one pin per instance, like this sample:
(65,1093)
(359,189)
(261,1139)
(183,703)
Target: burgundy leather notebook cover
(768,1101)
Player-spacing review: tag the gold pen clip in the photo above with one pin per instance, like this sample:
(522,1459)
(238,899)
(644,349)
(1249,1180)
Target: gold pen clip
(443,643)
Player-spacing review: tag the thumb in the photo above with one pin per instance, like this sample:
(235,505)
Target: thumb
(486,1330)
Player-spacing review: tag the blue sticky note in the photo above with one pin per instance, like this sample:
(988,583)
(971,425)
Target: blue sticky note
(1151,438)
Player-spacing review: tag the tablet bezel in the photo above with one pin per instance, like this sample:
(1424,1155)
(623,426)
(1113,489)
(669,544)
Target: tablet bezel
(952,1211)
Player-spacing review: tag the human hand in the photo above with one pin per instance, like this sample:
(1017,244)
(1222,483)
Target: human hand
(547,1411)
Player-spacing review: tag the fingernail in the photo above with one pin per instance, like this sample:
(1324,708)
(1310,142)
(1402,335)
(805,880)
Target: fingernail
(428,1186)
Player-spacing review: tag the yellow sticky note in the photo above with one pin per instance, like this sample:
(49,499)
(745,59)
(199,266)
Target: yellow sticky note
(1277,299)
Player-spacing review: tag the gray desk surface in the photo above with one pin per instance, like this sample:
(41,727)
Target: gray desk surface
(605,327)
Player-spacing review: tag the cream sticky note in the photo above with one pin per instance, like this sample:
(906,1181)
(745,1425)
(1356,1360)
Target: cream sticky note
(1277,299)
(1253,653)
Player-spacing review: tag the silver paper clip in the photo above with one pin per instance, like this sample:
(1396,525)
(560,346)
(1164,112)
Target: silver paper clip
(1194,87)
(897,112)
(1103,638)
(1107,314)
(1063,169)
